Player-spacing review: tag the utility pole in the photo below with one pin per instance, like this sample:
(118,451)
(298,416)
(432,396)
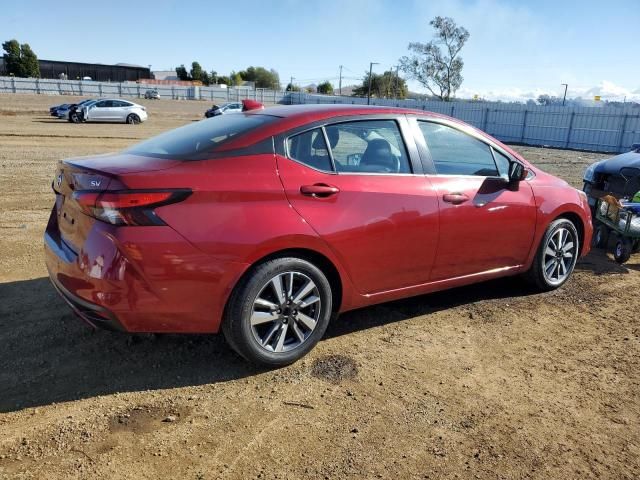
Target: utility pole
(397,92)
(371,64)
(565,93)
(291,83)
(340,82)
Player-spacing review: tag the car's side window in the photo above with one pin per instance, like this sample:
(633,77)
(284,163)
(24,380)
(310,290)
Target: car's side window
(368,146)
(310,149)
(457,153)
(502,162)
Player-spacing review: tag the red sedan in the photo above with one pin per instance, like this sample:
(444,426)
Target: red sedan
(266,223)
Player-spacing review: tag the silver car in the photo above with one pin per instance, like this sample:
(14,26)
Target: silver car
(232,107)
(113,110)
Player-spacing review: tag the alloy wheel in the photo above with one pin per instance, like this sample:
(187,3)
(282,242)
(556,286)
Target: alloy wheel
(560,255)
(285,312)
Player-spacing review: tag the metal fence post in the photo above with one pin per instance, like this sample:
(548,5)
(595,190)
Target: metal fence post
(568,140)
(524,125)
(119,89)
(13,84)
(100,89)
(138,90)
(623,127)
(38,86)
(452,109)
(485,119)
(80,87)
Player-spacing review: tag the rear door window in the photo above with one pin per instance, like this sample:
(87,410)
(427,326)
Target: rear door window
(368,146)
(310,148)
(456,153)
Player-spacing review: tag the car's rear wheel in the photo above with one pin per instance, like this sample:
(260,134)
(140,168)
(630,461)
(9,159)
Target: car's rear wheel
(133,119)
(556,256)
(278,312)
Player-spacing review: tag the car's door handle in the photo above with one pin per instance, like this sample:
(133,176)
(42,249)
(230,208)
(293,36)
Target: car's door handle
(455,198)
(320,190)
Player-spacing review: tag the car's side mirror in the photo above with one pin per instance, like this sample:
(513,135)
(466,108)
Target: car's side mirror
(517,172)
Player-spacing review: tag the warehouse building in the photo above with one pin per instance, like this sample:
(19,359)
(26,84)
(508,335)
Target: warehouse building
(120,72)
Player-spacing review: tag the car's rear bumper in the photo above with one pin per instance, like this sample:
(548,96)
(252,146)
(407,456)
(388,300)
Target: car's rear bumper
(94,315)
(140,279)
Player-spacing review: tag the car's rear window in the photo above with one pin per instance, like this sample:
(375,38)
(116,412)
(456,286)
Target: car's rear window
(191,141)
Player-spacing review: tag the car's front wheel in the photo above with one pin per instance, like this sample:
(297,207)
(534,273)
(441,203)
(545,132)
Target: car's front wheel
(556,256)
(278,312)
(133,119)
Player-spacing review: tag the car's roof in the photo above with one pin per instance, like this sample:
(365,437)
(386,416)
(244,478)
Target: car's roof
(331,110)
(291,116)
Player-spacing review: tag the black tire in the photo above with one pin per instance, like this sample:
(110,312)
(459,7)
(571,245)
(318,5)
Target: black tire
(75,117)
(237,328)
(536,274)
(601,236)
(636,246)
(623,249)
(133,119)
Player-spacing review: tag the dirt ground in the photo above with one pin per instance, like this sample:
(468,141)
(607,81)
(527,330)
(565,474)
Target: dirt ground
(489,381)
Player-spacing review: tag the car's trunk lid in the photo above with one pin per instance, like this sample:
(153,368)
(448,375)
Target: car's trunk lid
(100,173)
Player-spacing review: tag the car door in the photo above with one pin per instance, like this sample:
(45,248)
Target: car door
(98,112)
(120,110)
(486,223)
(360,186)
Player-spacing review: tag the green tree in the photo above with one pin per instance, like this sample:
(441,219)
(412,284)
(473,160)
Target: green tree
(437,64)
(30,65)
(182,73)
(292,88)
(386,85)
(11,57)
(222,79)
(235,79)
(325,88)
(196,72)
(262,77)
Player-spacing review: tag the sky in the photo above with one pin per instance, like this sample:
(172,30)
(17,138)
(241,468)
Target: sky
(517,49)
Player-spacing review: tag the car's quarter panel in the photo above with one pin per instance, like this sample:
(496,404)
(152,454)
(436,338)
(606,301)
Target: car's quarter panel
(238,212)
(493,229)
(382,227)
(150,278)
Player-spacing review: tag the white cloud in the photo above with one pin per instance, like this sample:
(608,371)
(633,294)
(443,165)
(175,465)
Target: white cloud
(606,89)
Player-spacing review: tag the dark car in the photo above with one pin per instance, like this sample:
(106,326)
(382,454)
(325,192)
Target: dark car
(72,111)
(265,224)
(53,111)
(618,176)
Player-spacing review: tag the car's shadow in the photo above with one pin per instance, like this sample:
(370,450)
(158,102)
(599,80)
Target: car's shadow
(48,355)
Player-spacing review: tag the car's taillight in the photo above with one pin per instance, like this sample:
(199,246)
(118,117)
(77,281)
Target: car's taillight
(128,207)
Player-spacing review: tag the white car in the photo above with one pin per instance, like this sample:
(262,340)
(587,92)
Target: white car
(233,107)
(113,110)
